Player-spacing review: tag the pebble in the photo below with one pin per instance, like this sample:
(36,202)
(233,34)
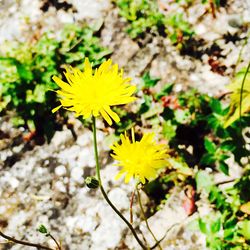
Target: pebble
(77,174)
(86,211)
(60,187)
(60,170)
(61,138)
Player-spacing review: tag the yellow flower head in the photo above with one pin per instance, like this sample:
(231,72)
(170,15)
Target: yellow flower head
(139,159)
(93,92)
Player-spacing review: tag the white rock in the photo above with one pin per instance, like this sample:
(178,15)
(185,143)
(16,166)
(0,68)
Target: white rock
(85,138)
(90,8)
(60,170)
(60,187)
(88,224)
(70,222)
(3,209)
(119,197)
(77,174)
(106,237)
(86,157)
(178,87)
(61,138)
(200,29)
(65,17)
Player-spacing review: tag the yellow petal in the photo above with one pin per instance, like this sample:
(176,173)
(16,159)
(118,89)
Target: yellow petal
(112,114)
(65,86)
(106,117)
(87,67)
(57,108)
(119,175)
(128,177)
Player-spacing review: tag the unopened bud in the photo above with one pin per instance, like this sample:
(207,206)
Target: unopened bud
(92,182)
(42,229)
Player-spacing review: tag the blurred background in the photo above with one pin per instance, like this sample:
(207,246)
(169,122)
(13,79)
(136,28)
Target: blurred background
(181,54)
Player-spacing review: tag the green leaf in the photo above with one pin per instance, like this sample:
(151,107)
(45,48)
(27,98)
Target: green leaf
(149,82)
(204,226)
(207,159)
(209,145)
(245,229)
(25,74)
(231,222)
(217,3)
(166,90)
(235,87)
(224,167)
(145,106)
(216,106)
(215,226)
(229,233)
(228,145)
(223,157)
(168,130)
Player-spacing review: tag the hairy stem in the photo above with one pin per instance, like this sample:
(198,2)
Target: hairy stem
(105,194)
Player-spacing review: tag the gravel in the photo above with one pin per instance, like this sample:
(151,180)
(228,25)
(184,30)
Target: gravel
(46,184)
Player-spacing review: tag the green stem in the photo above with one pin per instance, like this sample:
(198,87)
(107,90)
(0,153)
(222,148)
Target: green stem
(241,91)
(240,54)
(145,218)
(104,193)
(240,109)
(96,153)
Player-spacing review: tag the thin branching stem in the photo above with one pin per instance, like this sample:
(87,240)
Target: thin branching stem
(240,54)
(105,194)
(145,217)
(241,91)
(240,109)
(57,243)
(25,243)
(131,207)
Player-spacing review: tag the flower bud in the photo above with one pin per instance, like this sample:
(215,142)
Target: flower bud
(92,182)
(42,229)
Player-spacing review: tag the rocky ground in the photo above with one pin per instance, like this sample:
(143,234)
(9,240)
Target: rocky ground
(45,184)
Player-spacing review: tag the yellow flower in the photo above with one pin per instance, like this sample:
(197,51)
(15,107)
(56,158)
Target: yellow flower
(92,93)
(139,159)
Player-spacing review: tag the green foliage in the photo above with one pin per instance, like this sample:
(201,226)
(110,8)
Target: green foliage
(226,230)
(245,229)
(235,87)
(192,124)
(148,81)
(216,2)
(178,30)
(26,70)
(168,130)
(143,16)
(189,121)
